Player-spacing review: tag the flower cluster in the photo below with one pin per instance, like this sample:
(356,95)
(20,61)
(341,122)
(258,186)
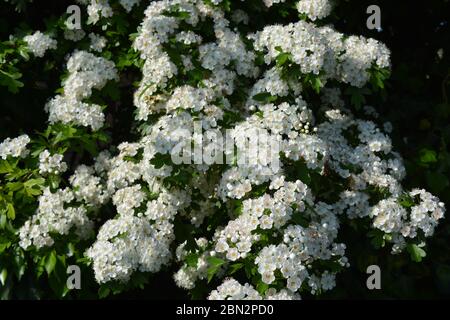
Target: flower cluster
(74,35)
(38,43)
(135,240)
(98,9)
(16,147)
(88,187)
(314,9)
(187,276)
(86,72)
(55,216)
(231,289)
(51,163)
(236,239)
(400,222)
(97,42)
(322,50)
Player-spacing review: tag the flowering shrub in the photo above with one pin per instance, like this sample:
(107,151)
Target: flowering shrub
(123,209)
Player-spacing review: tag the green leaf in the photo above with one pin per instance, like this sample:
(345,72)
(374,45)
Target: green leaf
(51,262)
(416,252)
(64,133)
(33,192)
(262,287)
(10,80)
(427,156)
(282,58)
(40,268)
(54,181)
(406,201)
(215,264)
(139,280)
(34,182)
(14,186)
(378,77)
(316,84)
(192,260)
(3,221)
(303,172)
(357,98)
(264,97)
(250,269)
(103,292)
(159,160)
(23,53)
(5,167)
(11,212)
(37,151)
(4,246)
(279,49)
(19,262)
(236,267)
(377,239)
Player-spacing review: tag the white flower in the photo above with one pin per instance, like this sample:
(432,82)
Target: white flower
(98,43)
(314,9)
(38,43)
(51,163)
(74,35)
(69,110)
(53,216)
(98,9)
(268,277)
(233,254)
(15,148)
(129,4)
(127,199)
(230,289)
